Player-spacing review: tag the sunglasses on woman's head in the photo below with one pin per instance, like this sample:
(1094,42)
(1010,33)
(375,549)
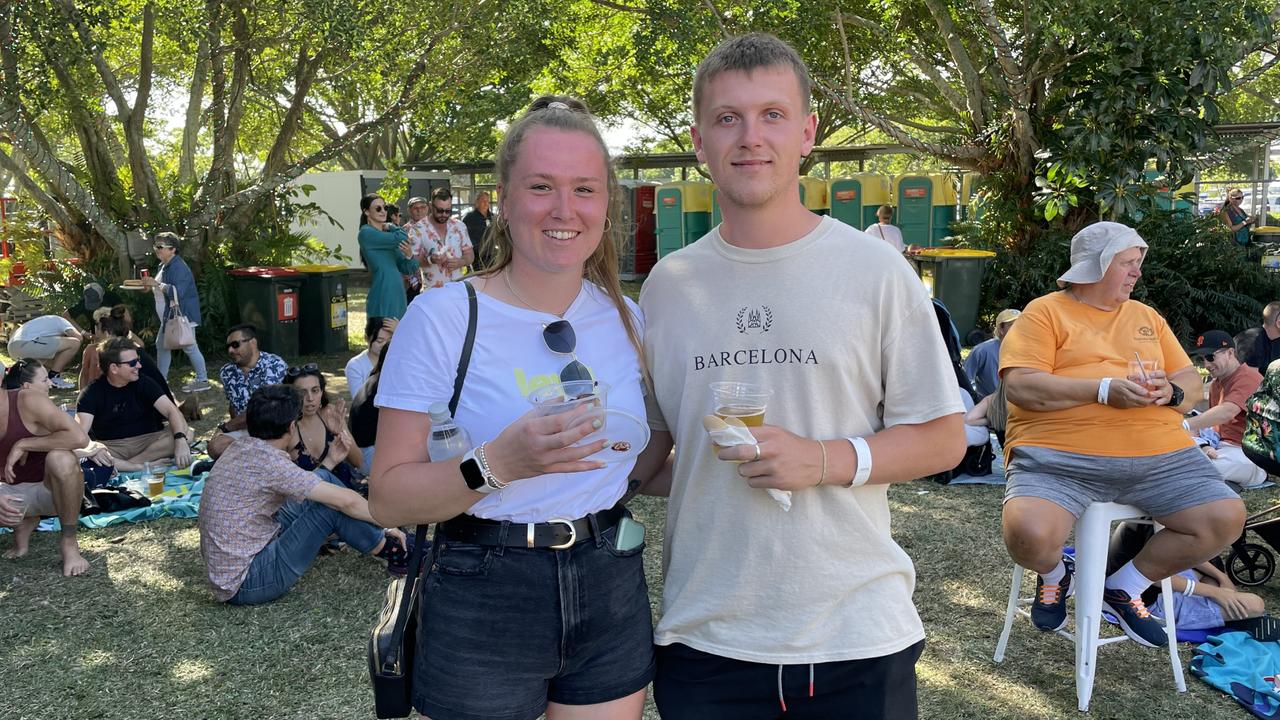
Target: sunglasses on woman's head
(307,369)
(562,340)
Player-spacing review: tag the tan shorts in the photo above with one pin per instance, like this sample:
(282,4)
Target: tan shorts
(41,348)
(125,448)
(39,499)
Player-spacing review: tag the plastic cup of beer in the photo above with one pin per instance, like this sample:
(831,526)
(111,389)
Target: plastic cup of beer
(564,397)
(1140,371)
(155,479)
(744,401)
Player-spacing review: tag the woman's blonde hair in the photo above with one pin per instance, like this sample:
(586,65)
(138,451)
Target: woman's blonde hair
(602,267)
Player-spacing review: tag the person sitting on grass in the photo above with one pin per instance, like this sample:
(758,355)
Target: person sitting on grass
(126,412)
(263,519)
(51,339)
(1233,383)
(117,322)
(1204,597)
(249,369)
(323,421)
(377,333)
(41,473)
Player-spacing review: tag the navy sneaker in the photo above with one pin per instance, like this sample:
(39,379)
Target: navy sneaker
(1141,626)
(1049,609)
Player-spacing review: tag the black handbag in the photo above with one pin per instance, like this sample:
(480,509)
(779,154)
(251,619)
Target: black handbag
(394,639)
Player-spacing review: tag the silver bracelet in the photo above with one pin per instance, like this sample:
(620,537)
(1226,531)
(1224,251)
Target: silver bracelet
(489,478)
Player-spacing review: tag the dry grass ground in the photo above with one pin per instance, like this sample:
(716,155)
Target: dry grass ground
(138,637)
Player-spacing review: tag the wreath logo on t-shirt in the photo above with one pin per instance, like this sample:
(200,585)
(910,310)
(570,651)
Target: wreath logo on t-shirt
(1146,331)
(754,320)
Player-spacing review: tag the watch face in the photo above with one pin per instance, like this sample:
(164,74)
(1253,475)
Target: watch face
(471,473)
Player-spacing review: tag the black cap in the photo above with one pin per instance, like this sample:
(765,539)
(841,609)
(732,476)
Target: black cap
(1211,342)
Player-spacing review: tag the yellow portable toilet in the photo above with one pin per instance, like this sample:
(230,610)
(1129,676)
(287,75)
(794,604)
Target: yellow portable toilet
(683,212)
(813,194)
(945,204)
(970,187)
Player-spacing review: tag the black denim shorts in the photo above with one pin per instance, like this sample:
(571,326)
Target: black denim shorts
(503,631)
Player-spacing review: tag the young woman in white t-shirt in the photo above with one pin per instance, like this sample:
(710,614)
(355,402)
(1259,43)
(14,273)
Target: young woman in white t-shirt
(520,614)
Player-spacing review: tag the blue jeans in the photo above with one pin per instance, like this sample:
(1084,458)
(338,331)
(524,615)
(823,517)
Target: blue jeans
(164,357)
(504,630)
(304,526)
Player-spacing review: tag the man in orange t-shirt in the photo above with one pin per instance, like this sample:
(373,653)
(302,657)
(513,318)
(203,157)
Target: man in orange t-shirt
(1233,383)
(1085,426)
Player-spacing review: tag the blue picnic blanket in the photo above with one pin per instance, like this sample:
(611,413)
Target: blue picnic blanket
(180,499)
(1244,668)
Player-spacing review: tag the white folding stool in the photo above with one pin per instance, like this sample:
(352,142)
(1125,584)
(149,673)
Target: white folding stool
(1093,536)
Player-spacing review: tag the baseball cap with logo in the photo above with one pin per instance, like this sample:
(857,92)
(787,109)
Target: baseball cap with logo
(1093,249)
(92,296)
(1211,342)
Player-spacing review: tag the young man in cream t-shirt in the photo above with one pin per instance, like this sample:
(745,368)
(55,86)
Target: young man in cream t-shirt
(806,610)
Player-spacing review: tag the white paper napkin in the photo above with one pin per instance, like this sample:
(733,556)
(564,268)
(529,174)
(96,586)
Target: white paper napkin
(730,435)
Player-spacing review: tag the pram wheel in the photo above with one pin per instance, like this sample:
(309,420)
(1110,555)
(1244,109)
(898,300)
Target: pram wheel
(1250,564)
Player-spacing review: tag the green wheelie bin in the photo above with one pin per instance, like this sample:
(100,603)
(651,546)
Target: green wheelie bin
(267,298)
(323,310)
(954,276)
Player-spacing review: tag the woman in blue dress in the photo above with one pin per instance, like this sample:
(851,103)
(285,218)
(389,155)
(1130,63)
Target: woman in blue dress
(385,250)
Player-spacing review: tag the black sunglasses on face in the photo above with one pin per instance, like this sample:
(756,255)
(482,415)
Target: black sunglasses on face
(131,363)
(235,344)
(561,340)
(308,369)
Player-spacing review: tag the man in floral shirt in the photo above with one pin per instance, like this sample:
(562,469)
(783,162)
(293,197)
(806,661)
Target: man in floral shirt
(440,242)
(248,370)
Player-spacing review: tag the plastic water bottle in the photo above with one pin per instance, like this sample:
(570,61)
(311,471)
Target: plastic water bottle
(448,438)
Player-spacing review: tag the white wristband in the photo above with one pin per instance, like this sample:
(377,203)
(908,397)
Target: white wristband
(1186,426)
(1190,589)
(1104,388)
(863,453)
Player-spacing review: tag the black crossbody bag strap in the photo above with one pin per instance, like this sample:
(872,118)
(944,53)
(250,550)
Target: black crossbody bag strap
(420,535)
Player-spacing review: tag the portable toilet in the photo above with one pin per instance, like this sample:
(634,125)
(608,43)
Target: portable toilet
(944,208)
(813,195)
(914,212)
(715,207)
(639,251)
(875,192)
(855,200)
(926,208)
(683,211)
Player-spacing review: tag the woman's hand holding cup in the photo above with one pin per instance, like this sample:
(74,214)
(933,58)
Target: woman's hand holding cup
(540,444)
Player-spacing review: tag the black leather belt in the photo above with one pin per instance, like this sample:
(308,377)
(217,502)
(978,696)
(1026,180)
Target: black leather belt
(556,535)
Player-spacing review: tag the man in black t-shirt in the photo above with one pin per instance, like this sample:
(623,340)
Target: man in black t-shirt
(126,413)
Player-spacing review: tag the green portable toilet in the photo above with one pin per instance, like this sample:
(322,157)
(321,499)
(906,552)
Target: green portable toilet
(855,199)
(813,195)
(715,207)
(683,212)
(914,215)
(944,208)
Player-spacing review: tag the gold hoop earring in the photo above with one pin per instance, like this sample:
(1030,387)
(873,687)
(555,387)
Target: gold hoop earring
(608,226)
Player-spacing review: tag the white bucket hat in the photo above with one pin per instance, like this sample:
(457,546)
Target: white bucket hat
(1093,248)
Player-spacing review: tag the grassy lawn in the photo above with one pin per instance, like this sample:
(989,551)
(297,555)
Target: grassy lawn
(139,637)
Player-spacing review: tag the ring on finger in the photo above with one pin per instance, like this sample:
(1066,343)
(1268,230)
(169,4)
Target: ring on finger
(757,457)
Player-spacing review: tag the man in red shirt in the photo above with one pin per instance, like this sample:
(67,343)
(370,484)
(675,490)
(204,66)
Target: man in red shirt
(1233,383)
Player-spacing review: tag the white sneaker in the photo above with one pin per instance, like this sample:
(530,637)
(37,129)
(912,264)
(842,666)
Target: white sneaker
(62,383)
(197,386)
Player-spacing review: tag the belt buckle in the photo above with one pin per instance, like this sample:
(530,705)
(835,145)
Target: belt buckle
(573,533)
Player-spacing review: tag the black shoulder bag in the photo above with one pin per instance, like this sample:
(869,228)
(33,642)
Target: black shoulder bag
(394,639)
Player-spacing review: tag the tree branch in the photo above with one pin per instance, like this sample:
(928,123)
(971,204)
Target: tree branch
(967,156)
(969,75)
(56,210)
(620,7)
(923,64)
